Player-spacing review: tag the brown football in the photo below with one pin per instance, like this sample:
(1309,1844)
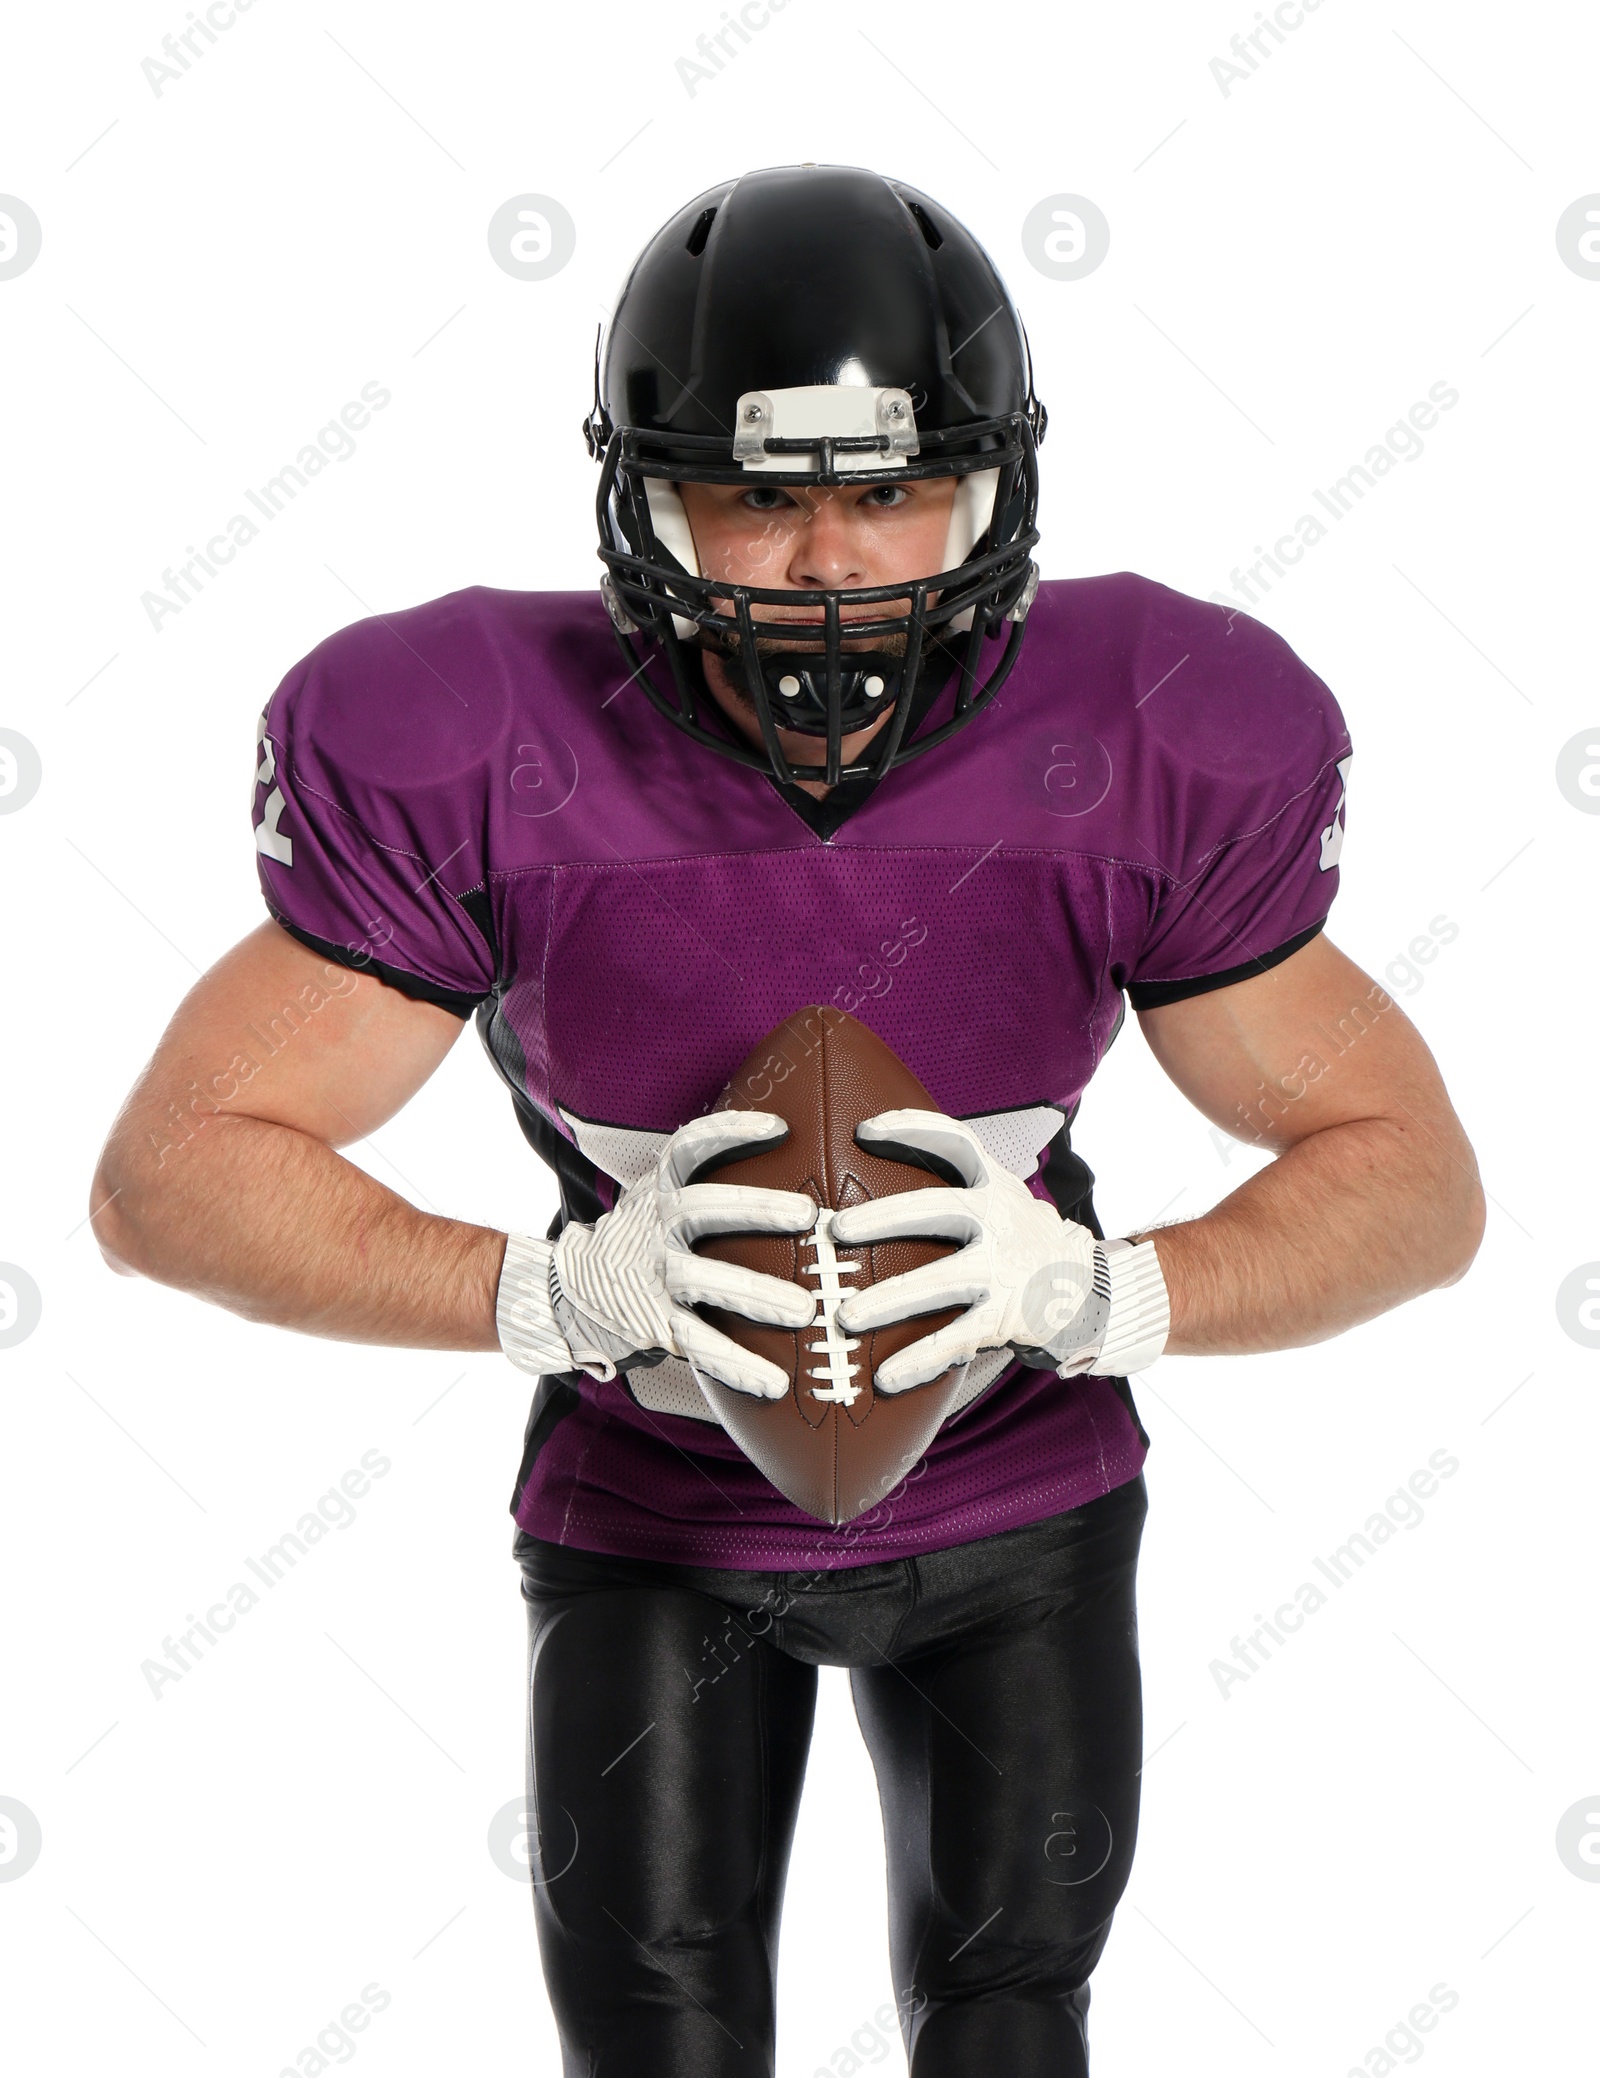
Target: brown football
(833,1443)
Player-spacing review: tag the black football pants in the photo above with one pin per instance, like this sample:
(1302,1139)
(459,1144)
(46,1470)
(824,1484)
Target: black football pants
(996,1684)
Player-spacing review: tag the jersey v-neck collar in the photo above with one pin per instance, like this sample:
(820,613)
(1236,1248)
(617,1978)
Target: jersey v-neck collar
(824,816)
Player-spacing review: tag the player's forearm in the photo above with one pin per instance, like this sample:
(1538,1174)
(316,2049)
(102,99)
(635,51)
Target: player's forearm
(279,1227)
(1342,1226)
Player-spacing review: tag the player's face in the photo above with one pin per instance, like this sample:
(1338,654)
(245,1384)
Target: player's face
(807,538)
(803,538)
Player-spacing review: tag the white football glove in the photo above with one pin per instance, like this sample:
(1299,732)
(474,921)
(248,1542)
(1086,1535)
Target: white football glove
(618,1293)
(1028,1279)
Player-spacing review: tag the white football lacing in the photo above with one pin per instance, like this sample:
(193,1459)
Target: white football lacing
(836,1345)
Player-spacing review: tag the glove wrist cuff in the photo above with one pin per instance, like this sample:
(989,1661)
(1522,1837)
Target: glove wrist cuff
(1140,1321)
(524,1312)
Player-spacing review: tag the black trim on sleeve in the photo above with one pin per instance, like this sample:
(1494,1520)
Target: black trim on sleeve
(1146,995)
(413,985)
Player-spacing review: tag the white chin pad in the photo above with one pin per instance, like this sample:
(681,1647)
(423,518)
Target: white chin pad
(970,513)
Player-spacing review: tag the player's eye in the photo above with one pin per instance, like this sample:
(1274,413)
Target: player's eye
(765,498)
(884,497)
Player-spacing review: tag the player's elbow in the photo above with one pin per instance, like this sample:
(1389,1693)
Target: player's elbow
(1466,1235)
(1460,1215)
(119,1213)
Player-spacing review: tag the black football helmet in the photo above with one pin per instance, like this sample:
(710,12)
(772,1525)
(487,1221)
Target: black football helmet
(817,325)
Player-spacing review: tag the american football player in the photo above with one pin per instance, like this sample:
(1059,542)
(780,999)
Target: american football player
(820,736)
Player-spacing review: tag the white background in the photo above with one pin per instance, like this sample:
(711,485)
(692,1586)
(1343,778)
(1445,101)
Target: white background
(1293,263)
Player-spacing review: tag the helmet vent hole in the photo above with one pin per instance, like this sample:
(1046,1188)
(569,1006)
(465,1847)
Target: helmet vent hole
(931,233)
(701,231)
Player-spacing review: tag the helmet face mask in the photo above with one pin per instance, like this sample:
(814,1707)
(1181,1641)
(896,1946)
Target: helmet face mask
(856,382)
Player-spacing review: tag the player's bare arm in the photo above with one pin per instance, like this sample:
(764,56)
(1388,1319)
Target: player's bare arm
(1374,1196)
(1373,1199)
(222,1173)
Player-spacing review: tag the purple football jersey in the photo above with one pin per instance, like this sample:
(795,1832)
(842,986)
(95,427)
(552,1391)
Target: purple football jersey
(471,800)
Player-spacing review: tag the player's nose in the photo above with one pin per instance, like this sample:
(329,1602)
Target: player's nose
(828,549)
